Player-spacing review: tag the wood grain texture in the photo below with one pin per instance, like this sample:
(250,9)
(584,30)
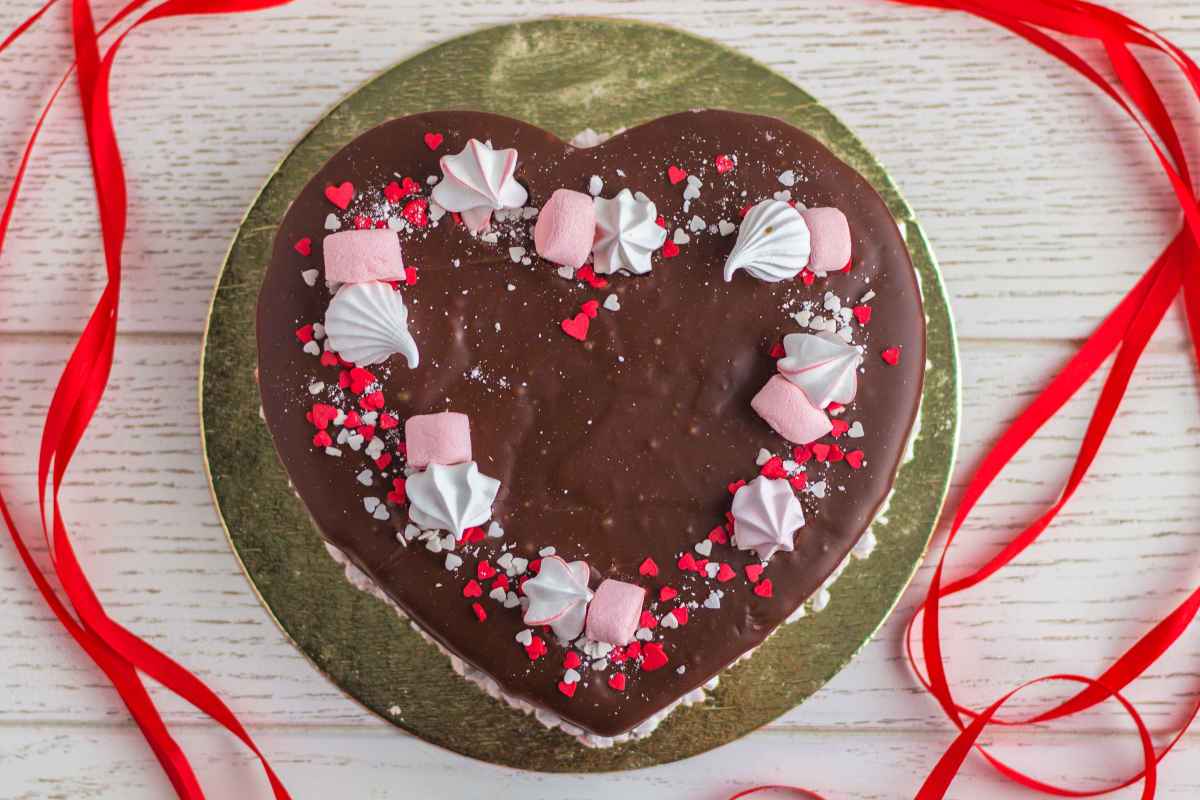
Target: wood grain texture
(1004,156)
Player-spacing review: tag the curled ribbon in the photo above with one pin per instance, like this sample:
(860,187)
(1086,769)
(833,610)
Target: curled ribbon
(124,657)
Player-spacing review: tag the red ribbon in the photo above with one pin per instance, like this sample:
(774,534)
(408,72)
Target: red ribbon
(1126,331)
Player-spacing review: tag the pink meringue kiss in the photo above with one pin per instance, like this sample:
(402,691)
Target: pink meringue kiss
(613,614)
(829,232)
(443,438)
(786,408)
(565,228)
(361,256)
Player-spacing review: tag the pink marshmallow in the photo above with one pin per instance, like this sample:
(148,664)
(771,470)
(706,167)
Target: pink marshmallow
(829,232)
(443,438)
(565,228)
(361,256)
(786,408)
(613,614)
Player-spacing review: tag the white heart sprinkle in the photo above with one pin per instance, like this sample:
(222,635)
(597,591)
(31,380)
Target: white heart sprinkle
(644,634)
(382,513)
(411,531)
(694,181)
(370,418)
(571,676)
(355,441)
(318,331)
(696,224)
(519,565)
(505,560)
(396,223)
(612,303)
(669,621)
(525,637)
(436,212)
(600,664)
(512,601)
(783,196)
(332,223)
(333,451)
(818,488)
(370,504)
(567,273)
(787,178)
(374,448)
(725,227)
(434,545)
(453,561)
(764,455)
(498,594)
(310,276)
(495,530)
(365,477)
(856,430)
(316,387)
(680,237)
(516,254)
(546,552)
(312,348)
(691,192)
(713,600)
(712,568)
(704,547)
(595,185)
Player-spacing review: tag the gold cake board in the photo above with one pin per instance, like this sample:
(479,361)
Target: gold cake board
(564,75)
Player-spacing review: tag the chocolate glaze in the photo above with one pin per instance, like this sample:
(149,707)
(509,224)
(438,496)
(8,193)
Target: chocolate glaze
(620,447)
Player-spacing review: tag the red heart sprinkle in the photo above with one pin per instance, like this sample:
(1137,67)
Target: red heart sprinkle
(718,535)
(862,314)
(433,140)
(764,589)
(352,419)
(329,359)
(773,469)
(591,308)
(501,582)
(834,408)
(798,481)
(410,276)
(647,620)
(305,333)
(340,196)
(807,276)
(670,249)
(733,487)
(473,535)
(303,246)
(744,210)
(393,192)
(777,350)
(587,274)
(384,461)
(855,459)
(633,650)
(381,223)
(322,439)
(321,415)
(361,222)
(367,432)
(667,593)
(835,453)
(567,688)
(648,568)
(726,573)
(485,571)
(375,400)
(387,422)
(681,614)
(660,221)
(617,681)
(398,494)
(653,656)
(675,174)
(480,613)
(535,649)
(571,660)
(754,572)
(472,589)
(820,451)
(416,212)
(724,164)
(687,563)
(840,426)
(801,453)
(891,356)
(360,379)
(577,327)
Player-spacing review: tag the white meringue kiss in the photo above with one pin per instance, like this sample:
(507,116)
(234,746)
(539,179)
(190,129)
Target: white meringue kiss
(766,516)
(822,365)
(773,243)
(558,597)
(478,181)
(451,498)
(626,234)
(367,323)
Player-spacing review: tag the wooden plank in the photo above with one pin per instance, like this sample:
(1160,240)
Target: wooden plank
(49,763)
(1040,200)
(139,507)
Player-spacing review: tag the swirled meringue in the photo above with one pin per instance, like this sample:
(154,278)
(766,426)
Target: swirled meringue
(559,597)
(451,498)
(477,181)
(766,516)
(367,323)
(626,233)
(822,365)
(773,243)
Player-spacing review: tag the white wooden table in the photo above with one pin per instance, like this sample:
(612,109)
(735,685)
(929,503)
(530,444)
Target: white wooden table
(1030,187)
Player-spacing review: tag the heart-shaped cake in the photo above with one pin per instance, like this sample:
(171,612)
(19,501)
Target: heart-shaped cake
(598,419)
